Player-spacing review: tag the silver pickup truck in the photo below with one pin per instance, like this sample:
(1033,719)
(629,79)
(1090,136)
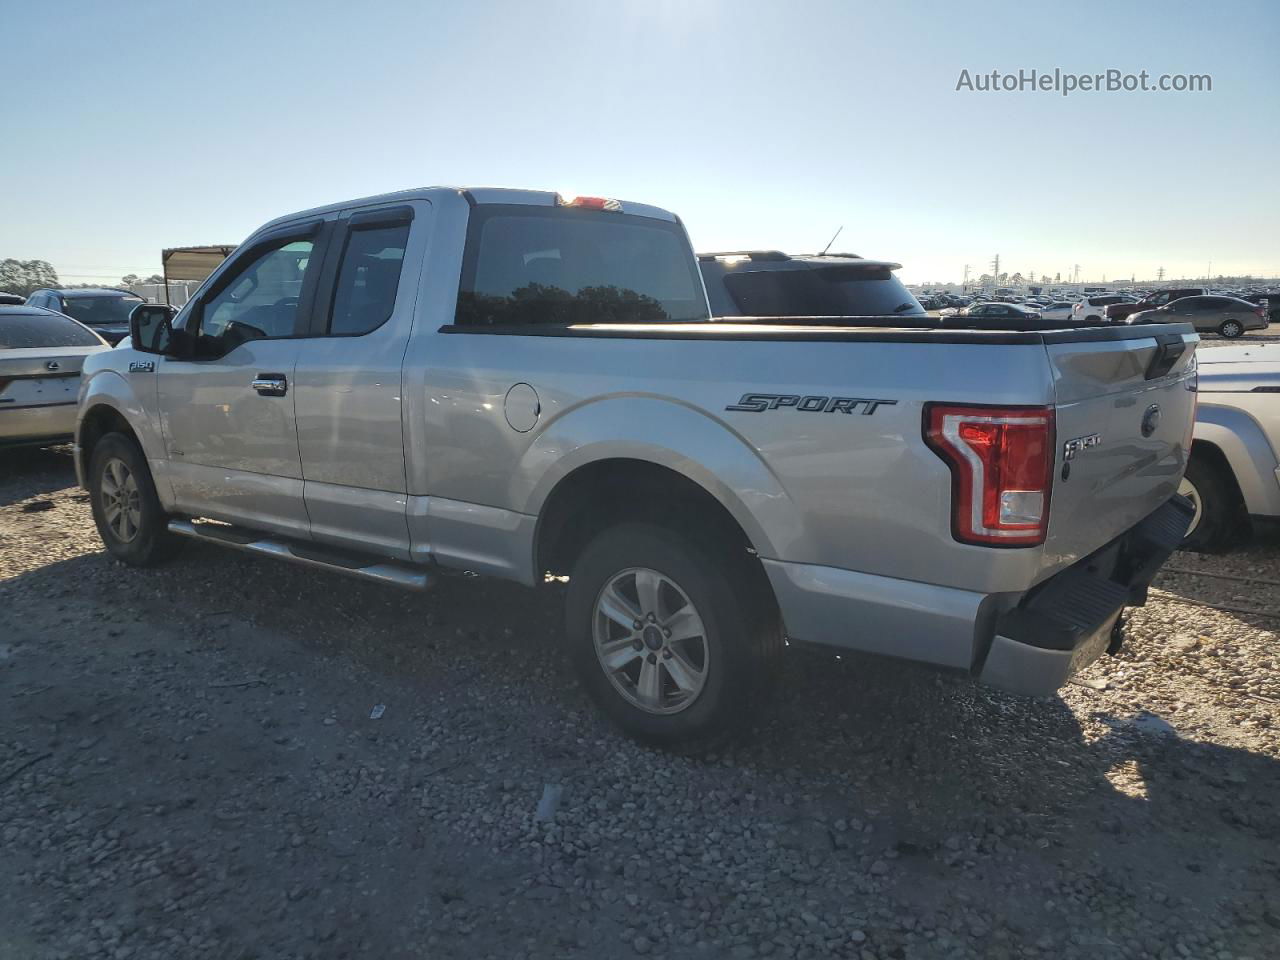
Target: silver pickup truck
(518,384)
(1233,476)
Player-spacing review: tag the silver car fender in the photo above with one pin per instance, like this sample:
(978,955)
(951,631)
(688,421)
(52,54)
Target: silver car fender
(1248,452)
(671,434)
(108,387)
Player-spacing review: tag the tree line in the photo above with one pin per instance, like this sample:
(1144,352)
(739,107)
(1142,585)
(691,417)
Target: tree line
(24,277)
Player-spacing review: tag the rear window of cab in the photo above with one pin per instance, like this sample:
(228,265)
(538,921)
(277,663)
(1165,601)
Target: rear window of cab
(546,265)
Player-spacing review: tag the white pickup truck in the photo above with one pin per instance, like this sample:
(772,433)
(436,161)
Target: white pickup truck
(517,383)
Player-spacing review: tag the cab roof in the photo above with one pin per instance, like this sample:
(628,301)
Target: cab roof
(473,195)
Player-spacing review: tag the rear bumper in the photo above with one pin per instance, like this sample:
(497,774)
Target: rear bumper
(1068,621)
(52,423)
(1029,643)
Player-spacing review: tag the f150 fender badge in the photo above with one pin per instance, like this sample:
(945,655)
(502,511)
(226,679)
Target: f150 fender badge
(760,402)
(1079,444)
(142,366)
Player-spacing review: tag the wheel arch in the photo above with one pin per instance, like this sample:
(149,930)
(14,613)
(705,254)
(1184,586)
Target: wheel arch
(628,453)
(617,489)
(109,404)
(1212,454)
(1234,442)
(96,422)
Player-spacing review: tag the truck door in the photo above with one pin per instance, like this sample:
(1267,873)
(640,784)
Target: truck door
(348,390)
(227,409)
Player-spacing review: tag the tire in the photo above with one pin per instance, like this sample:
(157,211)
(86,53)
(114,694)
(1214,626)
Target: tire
(1217,518)
(1093,318)
(1231,329)
(734,634)
(131,522)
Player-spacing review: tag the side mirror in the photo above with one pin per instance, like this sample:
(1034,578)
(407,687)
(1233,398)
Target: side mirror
(151,327)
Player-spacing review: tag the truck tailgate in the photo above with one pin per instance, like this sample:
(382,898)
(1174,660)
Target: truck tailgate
(1125,408)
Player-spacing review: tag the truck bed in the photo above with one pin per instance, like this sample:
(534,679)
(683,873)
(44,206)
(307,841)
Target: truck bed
(874,329)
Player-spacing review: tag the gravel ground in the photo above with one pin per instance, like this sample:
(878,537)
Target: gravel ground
(189,768)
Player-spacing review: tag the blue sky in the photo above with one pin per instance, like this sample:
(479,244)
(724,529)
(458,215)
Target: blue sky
(146,125)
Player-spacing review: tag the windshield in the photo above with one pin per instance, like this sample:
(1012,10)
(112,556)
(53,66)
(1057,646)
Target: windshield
(559,266)
(24,330)
(100,310)
(843,291)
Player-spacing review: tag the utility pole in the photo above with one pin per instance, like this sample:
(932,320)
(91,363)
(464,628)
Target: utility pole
(1160,275)
(995,269)
(1076,274)
(964,284)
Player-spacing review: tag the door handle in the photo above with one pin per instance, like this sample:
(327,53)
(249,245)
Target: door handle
(271,384)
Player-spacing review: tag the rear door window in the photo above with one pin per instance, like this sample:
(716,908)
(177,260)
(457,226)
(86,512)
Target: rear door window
(365,292)
(548,265)
(1191,304)
(20,331)
(837,291)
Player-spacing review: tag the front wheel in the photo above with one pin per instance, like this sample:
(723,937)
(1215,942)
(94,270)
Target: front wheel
(670,638)
(1231,329)
(126,510)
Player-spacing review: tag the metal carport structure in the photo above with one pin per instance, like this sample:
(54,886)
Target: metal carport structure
(191,263)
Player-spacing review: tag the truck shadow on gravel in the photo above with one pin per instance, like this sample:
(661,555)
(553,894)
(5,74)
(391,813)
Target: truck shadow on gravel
(910,807)
(27,472)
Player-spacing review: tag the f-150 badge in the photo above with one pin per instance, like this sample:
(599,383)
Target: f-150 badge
(1079,444)
(760,402)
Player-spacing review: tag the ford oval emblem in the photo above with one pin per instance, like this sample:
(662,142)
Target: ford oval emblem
(1151,420)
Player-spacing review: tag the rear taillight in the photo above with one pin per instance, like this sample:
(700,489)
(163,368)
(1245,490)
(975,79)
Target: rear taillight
(1001,461)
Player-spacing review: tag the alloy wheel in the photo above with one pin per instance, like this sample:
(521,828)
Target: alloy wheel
(650,641)
(121,501)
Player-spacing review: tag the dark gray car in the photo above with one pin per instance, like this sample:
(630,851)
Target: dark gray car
(1229,316)
(104,310)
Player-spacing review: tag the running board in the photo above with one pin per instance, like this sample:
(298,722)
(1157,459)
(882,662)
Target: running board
(307,554)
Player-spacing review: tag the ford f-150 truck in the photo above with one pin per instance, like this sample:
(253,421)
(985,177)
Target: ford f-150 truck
(518,384)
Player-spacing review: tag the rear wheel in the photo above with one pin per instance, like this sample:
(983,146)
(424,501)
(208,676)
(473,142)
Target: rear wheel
(1216,518)
(1231,329)
(126,510)
(669,636)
